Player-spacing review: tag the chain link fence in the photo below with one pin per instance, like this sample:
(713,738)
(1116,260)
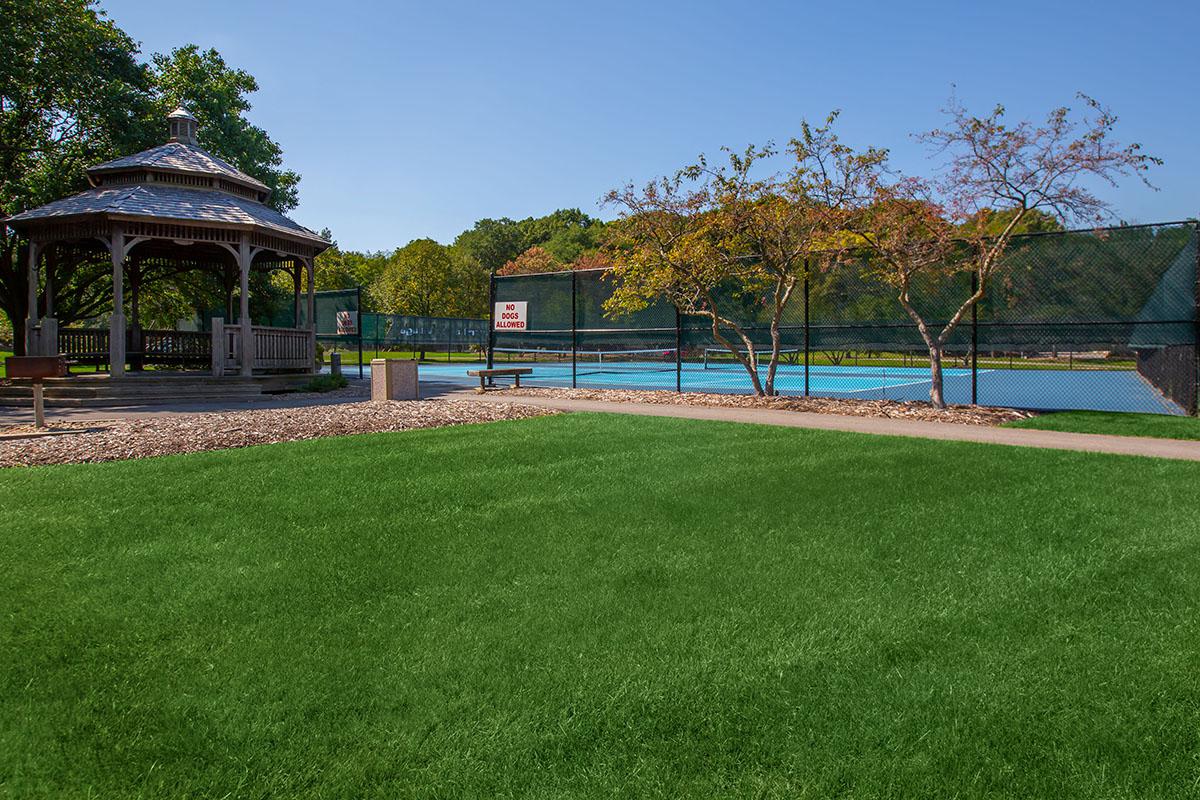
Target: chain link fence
(1102,320)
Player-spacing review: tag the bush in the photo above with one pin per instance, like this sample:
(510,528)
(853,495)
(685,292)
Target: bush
(326,383)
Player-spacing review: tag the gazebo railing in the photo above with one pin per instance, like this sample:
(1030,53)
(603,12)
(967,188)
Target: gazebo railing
(281,348)
(273,348)
(147,346)
(174,348)
(83,344)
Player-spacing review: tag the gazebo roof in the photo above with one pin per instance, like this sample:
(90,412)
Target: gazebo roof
(168,202)
(172,184)
(178,157)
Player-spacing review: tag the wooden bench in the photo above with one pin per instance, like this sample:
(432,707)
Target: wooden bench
(499,372)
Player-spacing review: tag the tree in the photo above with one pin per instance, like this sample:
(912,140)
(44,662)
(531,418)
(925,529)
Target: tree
(997,180)
(718,241)
(71,93)
(532,261)
(419,279)
(492,242)
(218,97)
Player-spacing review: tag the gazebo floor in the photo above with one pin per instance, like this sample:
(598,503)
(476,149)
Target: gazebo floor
(147,388)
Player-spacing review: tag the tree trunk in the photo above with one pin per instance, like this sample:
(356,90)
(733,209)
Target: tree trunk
(749,361)
(936,395)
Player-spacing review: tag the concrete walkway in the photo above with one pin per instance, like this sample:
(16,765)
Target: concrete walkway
(1016,437)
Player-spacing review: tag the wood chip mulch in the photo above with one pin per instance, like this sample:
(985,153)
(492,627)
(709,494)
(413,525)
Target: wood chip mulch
(120,439)
(893,409)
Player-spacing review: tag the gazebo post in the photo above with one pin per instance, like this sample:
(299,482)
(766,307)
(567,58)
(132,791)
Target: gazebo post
(247,354)
(296,267)
(116,327)
(51,261)
(312,317)
(32,347)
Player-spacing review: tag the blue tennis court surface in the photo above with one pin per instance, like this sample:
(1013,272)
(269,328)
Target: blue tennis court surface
(1043,389)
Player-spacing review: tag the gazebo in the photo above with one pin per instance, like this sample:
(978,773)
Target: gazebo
(178,205)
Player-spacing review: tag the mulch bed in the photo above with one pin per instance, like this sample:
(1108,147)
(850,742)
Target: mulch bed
(892,409)
(120,439)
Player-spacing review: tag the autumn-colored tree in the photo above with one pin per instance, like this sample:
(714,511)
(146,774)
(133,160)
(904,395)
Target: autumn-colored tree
(711,235)
(997,180)
(596,259)
(532,261)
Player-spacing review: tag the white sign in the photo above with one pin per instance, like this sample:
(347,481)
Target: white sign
(510,316)
(346,323)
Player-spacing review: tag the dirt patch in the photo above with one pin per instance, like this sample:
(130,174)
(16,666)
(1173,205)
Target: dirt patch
(892,409)
(120,439)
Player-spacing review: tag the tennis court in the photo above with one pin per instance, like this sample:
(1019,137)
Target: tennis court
(1041,389)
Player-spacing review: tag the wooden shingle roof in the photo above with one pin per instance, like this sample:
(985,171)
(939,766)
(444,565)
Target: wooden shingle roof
(177,157)
(161,202)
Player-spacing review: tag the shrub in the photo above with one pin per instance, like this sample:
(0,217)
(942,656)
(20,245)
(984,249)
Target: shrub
(326,383)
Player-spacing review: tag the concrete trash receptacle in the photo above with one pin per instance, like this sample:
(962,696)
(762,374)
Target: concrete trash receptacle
(394,379)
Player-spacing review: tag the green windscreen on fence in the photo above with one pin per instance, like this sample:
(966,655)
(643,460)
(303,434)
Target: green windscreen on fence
(415,333)
(1069,318)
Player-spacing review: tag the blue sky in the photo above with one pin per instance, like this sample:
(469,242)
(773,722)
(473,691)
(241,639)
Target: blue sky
(415,119)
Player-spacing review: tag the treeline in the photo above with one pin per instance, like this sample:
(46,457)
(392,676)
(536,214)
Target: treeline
(427,278)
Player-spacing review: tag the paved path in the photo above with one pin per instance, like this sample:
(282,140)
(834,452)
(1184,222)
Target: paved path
(1017,437)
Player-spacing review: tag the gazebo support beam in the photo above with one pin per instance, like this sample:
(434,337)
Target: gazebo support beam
(296,267)
(312,319)
(116,326)
(32,347)
(247,355)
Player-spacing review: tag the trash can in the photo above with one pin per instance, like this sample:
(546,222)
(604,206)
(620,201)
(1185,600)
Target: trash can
(394,379)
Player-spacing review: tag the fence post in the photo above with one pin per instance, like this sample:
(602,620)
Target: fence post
(574,325)
(1195,409)
(678,351)
(358,327)
(806,341)
(974,340)
(491,322)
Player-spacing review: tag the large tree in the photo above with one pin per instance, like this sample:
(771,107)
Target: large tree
(996,180)
(428,279)
(72,93)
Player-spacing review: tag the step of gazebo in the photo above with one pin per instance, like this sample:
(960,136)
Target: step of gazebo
(100,390)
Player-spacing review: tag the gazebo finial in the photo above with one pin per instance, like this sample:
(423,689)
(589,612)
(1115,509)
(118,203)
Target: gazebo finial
(183,126)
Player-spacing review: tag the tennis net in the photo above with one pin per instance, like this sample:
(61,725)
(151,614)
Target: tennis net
(722,357)
(589,362)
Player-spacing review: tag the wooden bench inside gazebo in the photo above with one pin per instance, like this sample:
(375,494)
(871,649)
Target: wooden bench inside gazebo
(176,207)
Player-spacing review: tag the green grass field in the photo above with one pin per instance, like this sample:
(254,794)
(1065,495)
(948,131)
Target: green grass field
(3,355)
(1159,426)
(600,606)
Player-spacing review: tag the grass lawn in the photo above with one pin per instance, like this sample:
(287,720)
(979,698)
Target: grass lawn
(600,606)
(3,355)
(1160,426)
